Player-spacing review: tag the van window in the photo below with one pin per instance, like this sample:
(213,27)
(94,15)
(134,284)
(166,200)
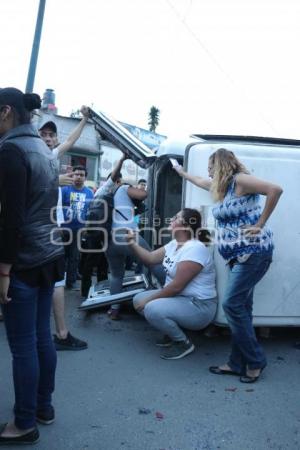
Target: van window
(168,195)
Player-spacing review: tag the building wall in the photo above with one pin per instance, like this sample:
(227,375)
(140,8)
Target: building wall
(131,172)
(97,155)
(152,140)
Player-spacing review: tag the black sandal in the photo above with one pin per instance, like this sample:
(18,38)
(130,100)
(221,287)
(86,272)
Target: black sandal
(32,437)
(248,379)
(216,370)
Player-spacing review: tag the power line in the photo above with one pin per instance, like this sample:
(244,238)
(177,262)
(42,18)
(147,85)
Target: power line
(213,59)
(187,10)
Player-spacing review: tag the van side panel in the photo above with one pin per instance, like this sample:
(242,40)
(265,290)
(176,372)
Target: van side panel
(277,296)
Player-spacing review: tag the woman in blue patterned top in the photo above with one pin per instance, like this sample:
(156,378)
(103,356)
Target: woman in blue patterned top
(247,245)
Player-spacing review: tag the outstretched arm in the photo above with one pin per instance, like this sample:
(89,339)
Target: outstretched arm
(72,138)
(146,256)
(136,194)
(204,183)
(116,171)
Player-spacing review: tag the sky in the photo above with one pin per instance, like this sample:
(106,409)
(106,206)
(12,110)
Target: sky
(210,66)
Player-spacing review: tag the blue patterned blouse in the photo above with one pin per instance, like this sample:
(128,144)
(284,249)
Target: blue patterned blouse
(232,214)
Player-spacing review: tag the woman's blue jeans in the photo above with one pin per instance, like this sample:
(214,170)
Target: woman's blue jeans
(237,304)
(27,322)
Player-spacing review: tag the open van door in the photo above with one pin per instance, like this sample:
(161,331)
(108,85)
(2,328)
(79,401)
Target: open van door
(276,298)
(99,294)
(115,133)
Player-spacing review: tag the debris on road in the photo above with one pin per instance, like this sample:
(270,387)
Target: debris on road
(144,411)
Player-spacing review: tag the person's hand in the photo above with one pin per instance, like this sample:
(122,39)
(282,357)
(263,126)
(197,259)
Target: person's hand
(4,285)
(179,170)
(130,236)
(85,111)
(251,230)
(124,157)
(66,179)
(140,307)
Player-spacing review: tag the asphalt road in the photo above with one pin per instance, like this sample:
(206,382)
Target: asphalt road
(119,395)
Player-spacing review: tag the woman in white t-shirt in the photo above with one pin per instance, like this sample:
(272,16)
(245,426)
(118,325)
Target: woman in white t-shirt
(188,298)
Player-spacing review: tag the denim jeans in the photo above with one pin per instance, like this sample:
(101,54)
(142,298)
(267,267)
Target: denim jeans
(237,304)
(27,322)
(169,314)
(89,260)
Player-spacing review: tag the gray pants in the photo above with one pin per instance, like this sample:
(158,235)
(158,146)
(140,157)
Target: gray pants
(116,256)
(170,313)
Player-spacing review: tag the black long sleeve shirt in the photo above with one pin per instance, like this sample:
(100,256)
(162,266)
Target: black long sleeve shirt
(13,181)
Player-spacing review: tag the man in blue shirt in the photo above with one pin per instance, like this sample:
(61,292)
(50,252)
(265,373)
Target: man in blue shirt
(75,202)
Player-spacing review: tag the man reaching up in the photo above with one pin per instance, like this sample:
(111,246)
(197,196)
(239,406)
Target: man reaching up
(63,339)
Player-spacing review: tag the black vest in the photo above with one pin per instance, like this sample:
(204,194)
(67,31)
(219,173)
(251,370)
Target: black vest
(39,233)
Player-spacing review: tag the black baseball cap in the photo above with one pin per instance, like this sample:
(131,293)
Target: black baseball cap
(51,125)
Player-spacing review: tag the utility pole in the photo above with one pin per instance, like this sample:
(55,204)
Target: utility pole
(35,47)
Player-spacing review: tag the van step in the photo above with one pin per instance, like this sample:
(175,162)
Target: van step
(99,294)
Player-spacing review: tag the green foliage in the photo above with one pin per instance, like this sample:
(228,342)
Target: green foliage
(75,113)
(153,118)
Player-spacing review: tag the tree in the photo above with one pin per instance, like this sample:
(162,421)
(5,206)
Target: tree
(153,118)
(75,113)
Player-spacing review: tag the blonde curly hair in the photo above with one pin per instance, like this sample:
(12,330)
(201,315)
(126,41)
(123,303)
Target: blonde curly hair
(225,166)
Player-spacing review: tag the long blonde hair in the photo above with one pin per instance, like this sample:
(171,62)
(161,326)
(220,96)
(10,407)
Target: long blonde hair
(225,166)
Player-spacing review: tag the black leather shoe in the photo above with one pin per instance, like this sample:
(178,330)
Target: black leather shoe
(32,437)
(46,417)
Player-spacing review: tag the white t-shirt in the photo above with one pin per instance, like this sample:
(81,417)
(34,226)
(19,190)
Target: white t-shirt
(202,285)
(59,209)
(55,153)
(123,205)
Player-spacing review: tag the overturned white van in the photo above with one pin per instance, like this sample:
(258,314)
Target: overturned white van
(277,296)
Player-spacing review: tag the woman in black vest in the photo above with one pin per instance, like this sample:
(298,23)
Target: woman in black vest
(30,263)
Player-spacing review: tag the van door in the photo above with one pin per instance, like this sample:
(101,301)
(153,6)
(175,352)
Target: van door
(115,133)
(164,200)
(276,298)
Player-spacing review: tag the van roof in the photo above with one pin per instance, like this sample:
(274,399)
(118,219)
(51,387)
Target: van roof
(254,139)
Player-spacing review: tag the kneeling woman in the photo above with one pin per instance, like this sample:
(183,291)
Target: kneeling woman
(188,298)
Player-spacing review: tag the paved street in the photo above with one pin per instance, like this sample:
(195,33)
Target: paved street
(119,394)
